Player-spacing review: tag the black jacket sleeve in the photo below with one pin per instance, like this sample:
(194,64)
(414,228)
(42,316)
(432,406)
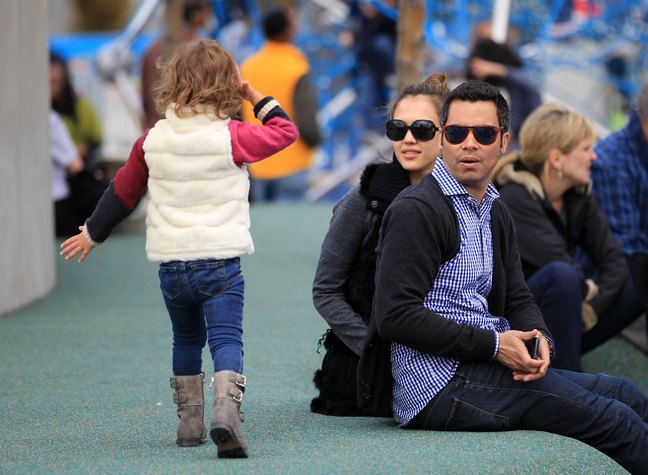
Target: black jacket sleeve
(306,108)
(417,237)
(606,253)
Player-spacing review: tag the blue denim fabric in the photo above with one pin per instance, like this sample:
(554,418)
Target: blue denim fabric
(624,309)
(556,289)
(205,302)
(606,412)
(287,189)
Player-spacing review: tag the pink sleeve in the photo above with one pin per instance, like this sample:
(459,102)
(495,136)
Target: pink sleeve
(131,179)
(252,143)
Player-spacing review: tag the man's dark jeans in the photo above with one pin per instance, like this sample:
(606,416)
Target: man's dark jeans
(606,412)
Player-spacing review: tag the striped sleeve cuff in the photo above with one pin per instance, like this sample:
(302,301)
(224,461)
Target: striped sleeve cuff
(267,107)
(497,344)
(86,236)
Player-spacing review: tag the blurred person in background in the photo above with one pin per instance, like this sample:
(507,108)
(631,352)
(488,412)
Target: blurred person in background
(499,65)
(620,178)
(375,39)
(66,161)
(84,126)
(620,185)
(198,21)
(282,68)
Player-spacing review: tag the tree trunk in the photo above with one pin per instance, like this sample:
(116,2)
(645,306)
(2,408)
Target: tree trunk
(410,42)
(173,23)
(101,15)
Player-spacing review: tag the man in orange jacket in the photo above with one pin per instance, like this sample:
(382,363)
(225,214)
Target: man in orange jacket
(283,70)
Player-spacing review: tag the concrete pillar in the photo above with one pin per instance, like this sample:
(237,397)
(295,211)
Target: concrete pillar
(27,244)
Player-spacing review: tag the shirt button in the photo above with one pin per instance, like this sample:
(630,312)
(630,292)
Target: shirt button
(374,204)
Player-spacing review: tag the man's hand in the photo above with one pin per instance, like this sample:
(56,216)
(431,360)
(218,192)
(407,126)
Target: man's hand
(75,245)
(514,354)
(480,68)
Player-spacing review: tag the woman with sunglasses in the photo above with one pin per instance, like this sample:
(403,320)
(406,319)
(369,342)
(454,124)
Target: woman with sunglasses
(344,281)
(546,185)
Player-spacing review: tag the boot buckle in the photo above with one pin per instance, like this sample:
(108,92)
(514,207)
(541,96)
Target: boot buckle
(236,395)
(239,379)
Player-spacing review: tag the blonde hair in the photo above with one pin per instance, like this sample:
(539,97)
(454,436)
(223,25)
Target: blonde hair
(550,126)
(434,87)
(199,73)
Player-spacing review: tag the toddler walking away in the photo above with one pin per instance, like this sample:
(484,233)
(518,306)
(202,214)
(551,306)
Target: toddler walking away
(192,163)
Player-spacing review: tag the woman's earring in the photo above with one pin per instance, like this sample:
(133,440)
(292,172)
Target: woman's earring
(560,174)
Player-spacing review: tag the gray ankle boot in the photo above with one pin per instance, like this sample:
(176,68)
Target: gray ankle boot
(190,400)
(226,418)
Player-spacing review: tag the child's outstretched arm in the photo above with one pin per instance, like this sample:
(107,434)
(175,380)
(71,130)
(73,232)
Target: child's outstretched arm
(77,244)
(117,202)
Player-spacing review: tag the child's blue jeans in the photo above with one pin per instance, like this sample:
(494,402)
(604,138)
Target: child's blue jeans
(205,302)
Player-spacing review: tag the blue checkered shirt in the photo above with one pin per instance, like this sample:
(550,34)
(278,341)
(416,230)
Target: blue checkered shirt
(459,293)
(620,184)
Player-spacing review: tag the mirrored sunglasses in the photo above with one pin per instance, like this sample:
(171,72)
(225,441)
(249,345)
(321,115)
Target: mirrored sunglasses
(422,130)
(484,134)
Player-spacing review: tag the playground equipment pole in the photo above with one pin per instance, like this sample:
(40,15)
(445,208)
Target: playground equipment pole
(501,11)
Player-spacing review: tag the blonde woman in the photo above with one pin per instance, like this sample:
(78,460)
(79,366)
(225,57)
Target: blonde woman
(546,185)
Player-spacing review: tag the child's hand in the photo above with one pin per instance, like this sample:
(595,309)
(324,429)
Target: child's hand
(250,94)
(75,245)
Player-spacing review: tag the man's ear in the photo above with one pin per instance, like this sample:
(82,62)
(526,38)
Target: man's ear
(504,142)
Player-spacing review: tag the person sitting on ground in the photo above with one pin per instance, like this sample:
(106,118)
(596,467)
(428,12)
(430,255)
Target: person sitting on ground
(546,186)
(82,121)
(620,185)
(343,284)
(66,161)
(78,113)
(620,178)
(452,314)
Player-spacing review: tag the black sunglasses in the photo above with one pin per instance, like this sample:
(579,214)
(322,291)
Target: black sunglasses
(484,134)
(423,130)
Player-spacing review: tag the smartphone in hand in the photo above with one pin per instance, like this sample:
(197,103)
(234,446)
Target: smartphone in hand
(534,347)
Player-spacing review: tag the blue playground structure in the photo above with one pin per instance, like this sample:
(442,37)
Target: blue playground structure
(548,35)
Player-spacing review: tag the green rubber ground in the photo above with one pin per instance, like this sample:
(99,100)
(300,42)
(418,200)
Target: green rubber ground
(84,378)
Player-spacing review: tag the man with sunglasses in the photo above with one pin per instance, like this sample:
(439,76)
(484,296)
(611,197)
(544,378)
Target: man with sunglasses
(451,339)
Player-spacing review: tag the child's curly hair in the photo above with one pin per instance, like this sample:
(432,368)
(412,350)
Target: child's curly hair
(203,73)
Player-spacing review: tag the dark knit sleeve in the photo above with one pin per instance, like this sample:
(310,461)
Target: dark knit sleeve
(121,197)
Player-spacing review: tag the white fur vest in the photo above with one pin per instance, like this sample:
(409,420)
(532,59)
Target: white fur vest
(197,196)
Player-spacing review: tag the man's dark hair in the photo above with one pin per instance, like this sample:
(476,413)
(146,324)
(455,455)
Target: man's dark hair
(191,7)
(490,50)
(475,91)
(275,23)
